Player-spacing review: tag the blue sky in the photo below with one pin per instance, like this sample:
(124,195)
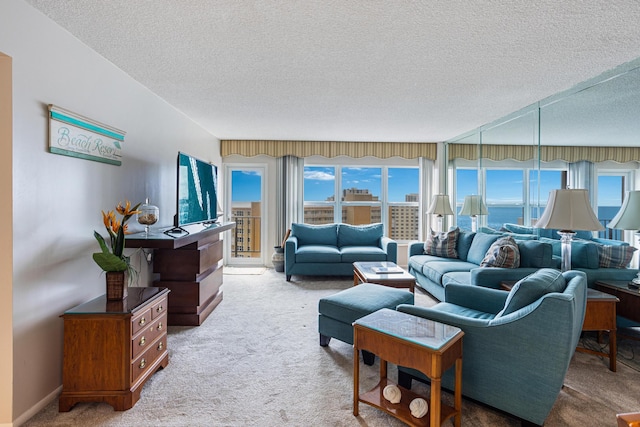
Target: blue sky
(319,182)
(503,186)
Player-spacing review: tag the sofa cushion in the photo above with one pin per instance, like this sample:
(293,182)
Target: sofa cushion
(518,229)
(537,254)
(362,253)
(503,253)
(480,246)
(307,234)
(359,235)
(465,238)
(612,256)
(442,244)
(318,254)
(584,253)
(435,270)
(532,288)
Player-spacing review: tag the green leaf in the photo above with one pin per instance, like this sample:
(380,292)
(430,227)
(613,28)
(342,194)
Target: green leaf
(109,262)
(118,247)
(101,242)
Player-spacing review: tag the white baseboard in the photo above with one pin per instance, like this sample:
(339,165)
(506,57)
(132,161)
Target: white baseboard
(35,408)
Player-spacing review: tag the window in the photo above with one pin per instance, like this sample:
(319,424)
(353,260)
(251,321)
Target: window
(611,190)
(514,195)
(466,184)
(367,195)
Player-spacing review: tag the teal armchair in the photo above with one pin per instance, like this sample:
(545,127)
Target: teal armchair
(517,345)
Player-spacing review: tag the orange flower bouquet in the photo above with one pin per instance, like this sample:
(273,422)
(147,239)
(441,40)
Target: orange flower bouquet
(114,259)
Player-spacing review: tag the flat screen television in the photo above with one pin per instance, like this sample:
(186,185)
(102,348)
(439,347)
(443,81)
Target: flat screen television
(197,191)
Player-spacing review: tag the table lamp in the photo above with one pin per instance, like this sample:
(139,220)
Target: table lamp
(439,207)
(568,210)
(473,206)
(628,217)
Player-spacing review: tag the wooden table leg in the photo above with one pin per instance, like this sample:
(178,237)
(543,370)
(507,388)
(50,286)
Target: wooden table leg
(457,420)
(613,349)
(434,406)
(356,380)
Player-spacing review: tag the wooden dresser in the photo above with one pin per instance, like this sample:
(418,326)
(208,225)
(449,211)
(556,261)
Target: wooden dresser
(112,348)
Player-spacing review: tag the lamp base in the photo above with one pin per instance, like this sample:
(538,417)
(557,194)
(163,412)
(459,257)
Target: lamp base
(566,236)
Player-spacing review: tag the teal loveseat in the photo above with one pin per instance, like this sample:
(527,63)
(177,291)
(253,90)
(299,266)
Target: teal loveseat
(517,345)
(331,249)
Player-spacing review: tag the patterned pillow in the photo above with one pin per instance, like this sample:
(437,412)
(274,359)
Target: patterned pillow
(615,256)
(442,244)
(504,252)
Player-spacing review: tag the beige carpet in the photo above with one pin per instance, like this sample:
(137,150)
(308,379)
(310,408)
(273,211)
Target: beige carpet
(256,362)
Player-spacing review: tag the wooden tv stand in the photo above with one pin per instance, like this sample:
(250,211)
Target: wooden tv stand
(190,265)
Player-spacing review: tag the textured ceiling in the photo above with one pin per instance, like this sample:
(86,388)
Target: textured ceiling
(357,70)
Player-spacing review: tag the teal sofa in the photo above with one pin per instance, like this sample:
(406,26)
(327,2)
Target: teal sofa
(331,249)
(517,345)
(587,252)
(434,273)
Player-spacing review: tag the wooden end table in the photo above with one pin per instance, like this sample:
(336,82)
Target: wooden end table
(410,341)
(364,272)
(600,315)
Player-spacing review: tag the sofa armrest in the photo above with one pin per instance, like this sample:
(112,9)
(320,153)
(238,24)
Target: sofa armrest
(390,247)
(491,277)
(441,316)
(476,297)
(416,248)
(290,249)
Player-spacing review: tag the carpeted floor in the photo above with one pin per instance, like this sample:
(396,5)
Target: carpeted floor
(256,362)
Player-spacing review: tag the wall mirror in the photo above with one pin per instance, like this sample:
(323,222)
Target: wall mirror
(586,137)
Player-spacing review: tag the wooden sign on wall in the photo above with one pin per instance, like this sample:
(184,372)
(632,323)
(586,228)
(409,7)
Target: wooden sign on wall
(71,134)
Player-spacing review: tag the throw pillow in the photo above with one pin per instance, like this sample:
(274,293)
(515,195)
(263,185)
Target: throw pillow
(615,256)
(531,288)
(504,252)
(442,244)
(479,247)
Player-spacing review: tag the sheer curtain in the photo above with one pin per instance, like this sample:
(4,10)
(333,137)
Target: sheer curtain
(290,201)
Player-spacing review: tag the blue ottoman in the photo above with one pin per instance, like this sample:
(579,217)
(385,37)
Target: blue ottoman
(337,312)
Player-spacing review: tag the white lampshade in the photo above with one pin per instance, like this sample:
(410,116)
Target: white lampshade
(440,205)
(569,210)
(628,217)
(473,205)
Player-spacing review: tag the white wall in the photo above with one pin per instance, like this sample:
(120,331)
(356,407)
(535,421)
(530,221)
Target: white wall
(57,199)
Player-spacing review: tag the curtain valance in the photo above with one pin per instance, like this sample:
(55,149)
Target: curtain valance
(548,153)
(382,150)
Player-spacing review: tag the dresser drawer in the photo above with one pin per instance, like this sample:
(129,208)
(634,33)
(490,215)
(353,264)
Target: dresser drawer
(140,321)
(144,362)
(145,337)
(159,308)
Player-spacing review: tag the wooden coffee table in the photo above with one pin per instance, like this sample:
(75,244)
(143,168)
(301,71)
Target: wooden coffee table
(600,315)
(364,272)
(414,342)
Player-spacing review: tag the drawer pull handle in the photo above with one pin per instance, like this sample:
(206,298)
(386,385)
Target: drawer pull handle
(143,363)
(142,321)
(160,326)
(159,309)
(143,341)
(160,346)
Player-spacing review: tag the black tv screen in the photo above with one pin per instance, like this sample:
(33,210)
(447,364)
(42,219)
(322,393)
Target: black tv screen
(197,185)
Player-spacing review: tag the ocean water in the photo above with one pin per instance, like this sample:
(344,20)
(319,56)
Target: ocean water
(499,215)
